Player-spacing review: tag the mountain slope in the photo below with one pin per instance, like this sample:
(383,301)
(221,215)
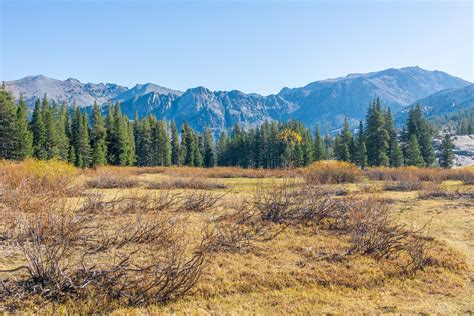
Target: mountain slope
(69,90)
(442,102)
(349,96)
(325,102)
(140,90)
(447,101)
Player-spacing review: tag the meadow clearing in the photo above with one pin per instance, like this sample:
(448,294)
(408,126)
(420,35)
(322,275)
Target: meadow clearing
(325,239)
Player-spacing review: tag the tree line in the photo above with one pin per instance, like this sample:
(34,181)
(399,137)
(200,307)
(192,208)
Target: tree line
(56,131)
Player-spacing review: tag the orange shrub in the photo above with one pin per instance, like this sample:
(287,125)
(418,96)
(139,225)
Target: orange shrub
(411,173)
(331,171)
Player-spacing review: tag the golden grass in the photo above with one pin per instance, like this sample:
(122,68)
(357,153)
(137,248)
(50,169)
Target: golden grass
(301,270)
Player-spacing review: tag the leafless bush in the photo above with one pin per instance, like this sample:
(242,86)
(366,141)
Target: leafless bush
(373,231)
(186,183)
(131,203)
(278,203)
(292,204)
(68,251)
(110,180)
(239,227)
(404,185)
(434,192)
(417,249)
(199,201)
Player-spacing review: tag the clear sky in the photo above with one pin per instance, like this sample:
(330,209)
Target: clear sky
(252,46)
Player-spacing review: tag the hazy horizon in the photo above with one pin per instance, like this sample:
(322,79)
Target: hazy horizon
(258,47)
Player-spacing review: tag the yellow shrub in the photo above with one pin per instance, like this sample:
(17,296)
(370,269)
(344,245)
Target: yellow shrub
(331,171)
(37,176)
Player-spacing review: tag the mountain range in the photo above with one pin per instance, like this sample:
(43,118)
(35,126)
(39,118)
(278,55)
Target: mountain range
(324,102)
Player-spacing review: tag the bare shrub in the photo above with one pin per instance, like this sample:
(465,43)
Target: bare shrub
(149,170)
(438,192)
(110,180)
(186,183)
(292,204)
(228,172)
(278,203)
(199,201)
(331,171)
(417,249)
(368,187)
(238,228)
(373,231)
(409,173)
(466,175)
(166,200)
(404,185)
(68,252)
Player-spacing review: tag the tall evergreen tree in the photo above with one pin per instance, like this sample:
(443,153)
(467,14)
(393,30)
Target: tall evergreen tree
(143,142)
(98,137)
(361,148)
(376,136)
(83,149)
(209,156)
(50,113)
(63,132)
(396,155)
(8,140)
(39,132)
(417,125)
(446,159)
(414,157)
(174,144)
(318,146)
(343,143)
(222,150)
(24,138)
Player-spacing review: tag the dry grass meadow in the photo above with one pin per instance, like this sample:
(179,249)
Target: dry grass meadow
(326,239)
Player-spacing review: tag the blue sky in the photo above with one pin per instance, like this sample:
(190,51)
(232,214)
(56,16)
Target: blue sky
(252,46)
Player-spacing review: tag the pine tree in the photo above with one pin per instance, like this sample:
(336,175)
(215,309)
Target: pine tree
(83,150)
(393,148)
(318,146)
(143,142)
(222,150)
(446,159)
(209,156)
(49,113)
(166,144)
(195,148)
(131,156)
(376,136)
(417,125)
(361,148)
(347,140)
(426,147)
(63,132)
(174,144)
(396,155)
(98,138)
(111,138)
(8,140)
(414,157)
(39,132)
(307,148)
(24,138)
